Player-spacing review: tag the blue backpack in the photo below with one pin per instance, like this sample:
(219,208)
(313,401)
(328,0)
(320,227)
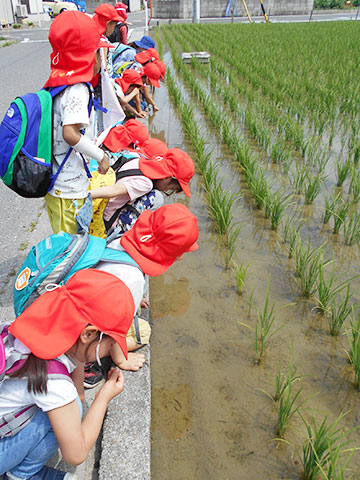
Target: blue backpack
(55,259)
(26,143)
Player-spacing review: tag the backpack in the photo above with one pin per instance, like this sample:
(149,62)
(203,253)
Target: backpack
(10,361)
(119,64)
(55,259)
(26,143)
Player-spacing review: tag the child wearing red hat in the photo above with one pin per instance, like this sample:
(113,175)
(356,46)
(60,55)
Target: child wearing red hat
(127,88)
(74,61)
(50,336)
(106,18)
(121,30)
(156,241)
(169,173)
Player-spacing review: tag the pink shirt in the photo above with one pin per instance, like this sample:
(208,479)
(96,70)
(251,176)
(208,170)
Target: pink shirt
(136,187)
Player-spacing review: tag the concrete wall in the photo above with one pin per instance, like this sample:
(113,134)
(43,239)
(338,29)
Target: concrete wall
(217,8)
(92,4)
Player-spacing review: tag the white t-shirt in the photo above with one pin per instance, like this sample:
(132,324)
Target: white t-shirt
(130,275)
(71,107)
(136,185)
(14,394)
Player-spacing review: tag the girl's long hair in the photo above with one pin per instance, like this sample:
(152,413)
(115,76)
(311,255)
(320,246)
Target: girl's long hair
(35,369)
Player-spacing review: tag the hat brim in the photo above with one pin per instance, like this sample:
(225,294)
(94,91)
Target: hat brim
(185,187)
(138,43)
(154,169)
(154,82)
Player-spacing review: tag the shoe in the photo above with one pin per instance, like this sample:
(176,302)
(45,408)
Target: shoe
(93,375)
(47,473)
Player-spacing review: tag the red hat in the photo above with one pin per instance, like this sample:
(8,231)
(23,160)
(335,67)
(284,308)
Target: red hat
(162,67)
(159,237)
(153,73)
(74,39)
(121,10)
(53,323)
(153,147)
(129,77)
(103,14)
(121,6)
(147,55)
(137,131)
(117,139)
(175,163)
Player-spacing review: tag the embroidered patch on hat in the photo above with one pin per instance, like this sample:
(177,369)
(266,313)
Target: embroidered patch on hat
(145,238)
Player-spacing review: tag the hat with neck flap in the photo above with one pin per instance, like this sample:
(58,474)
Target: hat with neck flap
(74,39)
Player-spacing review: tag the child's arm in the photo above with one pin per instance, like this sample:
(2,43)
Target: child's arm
(83,144)
(139,113)
(135,360)
(148,98)
(110,191)
(130,94)
(76,438)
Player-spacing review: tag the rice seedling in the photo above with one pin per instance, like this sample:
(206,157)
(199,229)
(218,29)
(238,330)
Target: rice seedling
(339,312)
(210,175)
(265,326)
(340,215)
(299,178)
(312,188)
(326,289)
(221,203)
(283,381)
(307,263)
(354,343)
(277,204)
(331,205)
(287,409)
(337,469)
(240,274)
(230,238)
(343,170)
(352,229)
(354,187)
(322,440)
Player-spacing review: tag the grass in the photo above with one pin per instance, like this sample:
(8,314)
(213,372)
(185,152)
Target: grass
(312,188)
(340,215)
(230,238)
(287,409)
(326,289)
(352,229)
(331,205)
(343,170)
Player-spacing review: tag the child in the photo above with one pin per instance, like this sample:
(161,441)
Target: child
(127,88)
(54,327)
(75,40)
(155,242)
(121,30)
(170,173)
(106,18)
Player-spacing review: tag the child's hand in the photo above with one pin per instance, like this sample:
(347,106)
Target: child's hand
(114,384)
(156,109)
(141,114)
(104,165)
(144,302)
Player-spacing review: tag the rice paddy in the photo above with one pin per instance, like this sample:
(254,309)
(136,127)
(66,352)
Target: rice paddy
(280,194)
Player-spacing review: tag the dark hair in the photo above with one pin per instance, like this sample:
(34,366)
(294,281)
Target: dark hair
(177,189)
(35,369)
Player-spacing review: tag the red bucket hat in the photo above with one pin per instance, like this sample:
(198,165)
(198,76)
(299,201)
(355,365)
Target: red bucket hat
(159,237)
(151,70)
(129,77)
(117,139)
(154,147)
(137,131)
(53,323)
(162,67)
(121,10)
(74,39)
(147,55)
(103,14)
(175,163)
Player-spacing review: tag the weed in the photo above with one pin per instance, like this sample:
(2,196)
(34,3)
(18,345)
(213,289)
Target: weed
(23,246)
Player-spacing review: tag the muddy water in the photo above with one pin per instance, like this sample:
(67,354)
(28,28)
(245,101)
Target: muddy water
(210,418)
